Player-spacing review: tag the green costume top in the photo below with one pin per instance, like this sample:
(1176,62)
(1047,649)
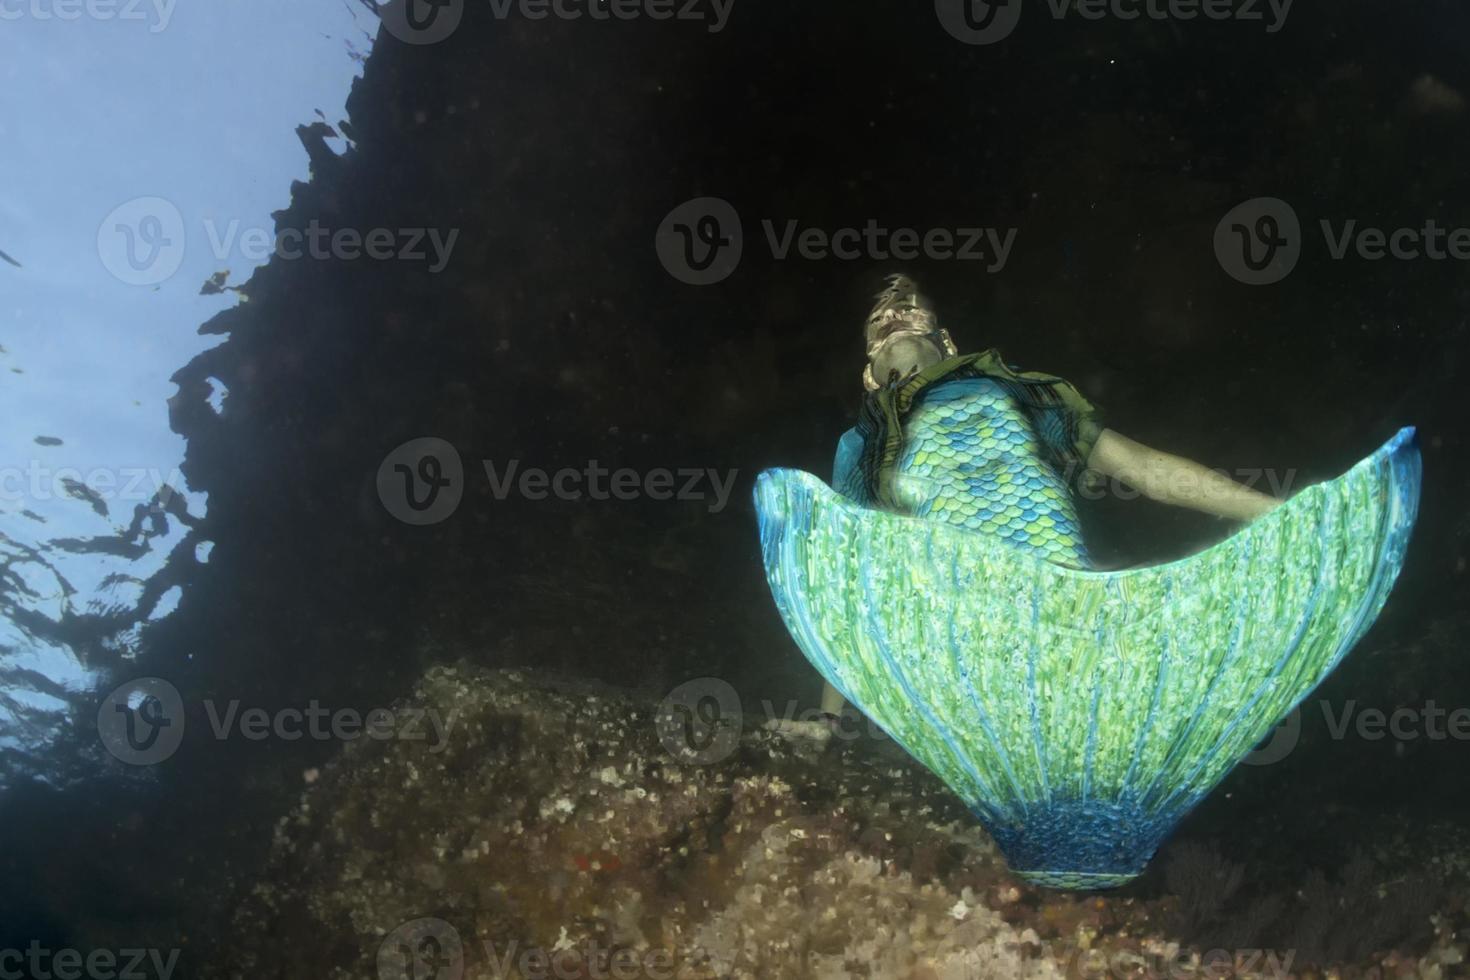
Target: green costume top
(974,443)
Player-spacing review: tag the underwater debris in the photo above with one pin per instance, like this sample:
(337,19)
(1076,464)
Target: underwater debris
(77,489)
(215,284)
(1430,95)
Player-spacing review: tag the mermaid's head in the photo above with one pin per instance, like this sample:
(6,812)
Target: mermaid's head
(903,334)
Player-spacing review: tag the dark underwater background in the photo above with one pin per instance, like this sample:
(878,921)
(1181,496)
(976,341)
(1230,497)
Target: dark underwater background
(554,335)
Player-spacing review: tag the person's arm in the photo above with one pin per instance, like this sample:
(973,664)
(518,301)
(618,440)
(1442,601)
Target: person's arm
(1174,480)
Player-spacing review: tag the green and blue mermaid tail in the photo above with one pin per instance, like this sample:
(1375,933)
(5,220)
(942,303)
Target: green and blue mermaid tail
(1080,714)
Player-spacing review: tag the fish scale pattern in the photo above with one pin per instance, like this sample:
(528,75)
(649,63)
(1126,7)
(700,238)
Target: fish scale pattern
(1080,713)
(972,459)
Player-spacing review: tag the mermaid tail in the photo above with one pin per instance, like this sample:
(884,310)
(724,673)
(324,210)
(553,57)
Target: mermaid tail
(1081,714)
